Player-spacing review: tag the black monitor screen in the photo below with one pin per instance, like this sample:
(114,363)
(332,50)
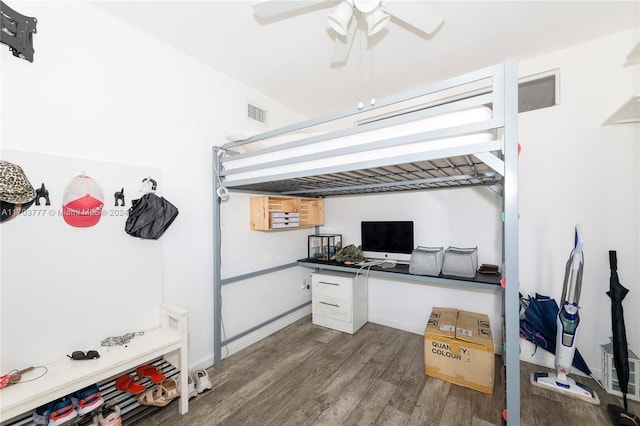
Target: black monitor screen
(387,236)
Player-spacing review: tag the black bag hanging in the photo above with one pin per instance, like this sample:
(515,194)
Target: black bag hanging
(150,215)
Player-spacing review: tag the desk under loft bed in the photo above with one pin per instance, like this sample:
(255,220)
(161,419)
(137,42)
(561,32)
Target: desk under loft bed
(457,133)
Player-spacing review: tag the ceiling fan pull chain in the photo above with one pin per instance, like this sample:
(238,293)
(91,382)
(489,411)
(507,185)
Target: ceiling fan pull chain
(373,76)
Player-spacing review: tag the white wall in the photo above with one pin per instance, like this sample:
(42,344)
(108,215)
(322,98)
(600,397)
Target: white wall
(573,170)
(250,302)
(103,91)
(63,287)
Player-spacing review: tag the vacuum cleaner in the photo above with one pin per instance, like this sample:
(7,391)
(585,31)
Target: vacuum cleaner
(568,322)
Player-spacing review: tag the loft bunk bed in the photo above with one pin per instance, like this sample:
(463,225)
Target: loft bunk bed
(457,133)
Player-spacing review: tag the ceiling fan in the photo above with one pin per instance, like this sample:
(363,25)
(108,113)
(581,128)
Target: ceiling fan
(345,16)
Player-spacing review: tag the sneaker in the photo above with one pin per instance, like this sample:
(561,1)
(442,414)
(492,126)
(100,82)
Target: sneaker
(111,419)
(39,416)
(87,399)
(192,388)
(55,413)
(202,380)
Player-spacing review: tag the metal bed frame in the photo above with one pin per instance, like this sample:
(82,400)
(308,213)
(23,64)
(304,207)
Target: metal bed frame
(489,163)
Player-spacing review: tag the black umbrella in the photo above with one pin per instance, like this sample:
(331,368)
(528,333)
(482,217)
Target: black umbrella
(149,216)
(617,293)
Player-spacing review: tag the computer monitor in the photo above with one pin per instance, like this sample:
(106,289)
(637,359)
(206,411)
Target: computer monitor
(387,240)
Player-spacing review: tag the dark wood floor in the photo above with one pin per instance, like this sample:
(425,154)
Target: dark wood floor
(305,375)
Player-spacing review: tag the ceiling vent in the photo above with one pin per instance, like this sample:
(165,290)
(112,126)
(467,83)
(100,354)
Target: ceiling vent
(256,113)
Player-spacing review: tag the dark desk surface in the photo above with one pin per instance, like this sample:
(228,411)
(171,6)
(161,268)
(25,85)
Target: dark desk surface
(401,271)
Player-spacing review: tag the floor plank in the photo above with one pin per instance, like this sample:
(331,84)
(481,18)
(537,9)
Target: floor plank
(430,404)
(310,375)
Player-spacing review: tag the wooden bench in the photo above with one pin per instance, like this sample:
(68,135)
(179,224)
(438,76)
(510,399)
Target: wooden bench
(64,376)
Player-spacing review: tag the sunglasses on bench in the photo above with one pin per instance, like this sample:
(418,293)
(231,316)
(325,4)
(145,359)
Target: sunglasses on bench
(77,355)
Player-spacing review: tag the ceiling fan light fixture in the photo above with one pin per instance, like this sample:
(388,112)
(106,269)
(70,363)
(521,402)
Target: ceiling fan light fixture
(340,18)
(376,20)
(366,6)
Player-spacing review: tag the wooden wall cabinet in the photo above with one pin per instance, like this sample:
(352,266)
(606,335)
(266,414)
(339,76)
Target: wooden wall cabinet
(269,213)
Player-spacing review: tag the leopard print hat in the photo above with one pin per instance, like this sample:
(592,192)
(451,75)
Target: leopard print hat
(15,188)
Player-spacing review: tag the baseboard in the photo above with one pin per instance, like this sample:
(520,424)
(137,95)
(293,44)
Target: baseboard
(411,328)
(267,330)
(256,336)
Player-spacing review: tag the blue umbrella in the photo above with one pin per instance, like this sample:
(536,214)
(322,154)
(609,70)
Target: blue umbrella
(538,325)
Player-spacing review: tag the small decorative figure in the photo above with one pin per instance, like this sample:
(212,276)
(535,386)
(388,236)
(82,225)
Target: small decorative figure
(42,193)
(119,196)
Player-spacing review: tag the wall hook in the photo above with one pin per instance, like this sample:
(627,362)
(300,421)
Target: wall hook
(119,196)
(149,185)
(42,192)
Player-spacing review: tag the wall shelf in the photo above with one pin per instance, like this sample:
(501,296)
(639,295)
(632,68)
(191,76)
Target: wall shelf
(295,213)
(628,113)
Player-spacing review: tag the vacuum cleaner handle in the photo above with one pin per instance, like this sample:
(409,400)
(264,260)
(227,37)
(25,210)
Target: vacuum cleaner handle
(577,248)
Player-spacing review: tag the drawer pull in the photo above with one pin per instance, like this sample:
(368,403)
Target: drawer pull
(335,305)
(327,283)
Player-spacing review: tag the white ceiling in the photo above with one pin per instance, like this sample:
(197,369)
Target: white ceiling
(288,59)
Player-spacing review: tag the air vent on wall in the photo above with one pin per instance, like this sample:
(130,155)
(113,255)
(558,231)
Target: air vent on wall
(256,113)
(537,92)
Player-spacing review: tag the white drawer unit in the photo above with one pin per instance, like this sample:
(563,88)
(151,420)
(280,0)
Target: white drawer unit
(339,300)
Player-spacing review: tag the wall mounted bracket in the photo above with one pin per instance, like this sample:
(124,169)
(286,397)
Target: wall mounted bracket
(17,32)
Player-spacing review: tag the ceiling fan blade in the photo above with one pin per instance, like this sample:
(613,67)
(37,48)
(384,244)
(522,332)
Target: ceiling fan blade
(342,45)
(270,8)
(418,14)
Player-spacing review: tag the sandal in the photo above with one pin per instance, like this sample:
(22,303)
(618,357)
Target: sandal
(128,384)
(170,388)
(151,372)
(155,396)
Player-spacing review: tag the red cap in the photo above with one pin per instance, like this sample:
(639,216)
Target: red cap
(82,202)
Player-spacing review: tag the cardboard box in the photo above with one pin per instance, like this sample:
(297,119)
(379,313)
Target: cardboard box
(458,348)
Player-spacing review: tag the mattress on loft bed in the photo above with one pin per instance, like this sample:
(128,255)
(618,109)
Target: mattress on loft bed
(256,164)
